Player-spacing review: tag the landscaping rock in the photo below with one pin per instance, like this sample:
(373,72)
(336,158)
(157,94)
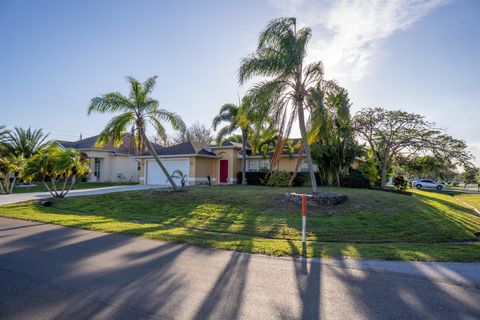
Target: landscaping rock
(318,199)
(46,203)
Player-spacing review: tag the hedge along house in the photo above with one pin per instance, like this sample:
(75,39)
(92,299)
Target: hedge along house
(107,163)
(220,163)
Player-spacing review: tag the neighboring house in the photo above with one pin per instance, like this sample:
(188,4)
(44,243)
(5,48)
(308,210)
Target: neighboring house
(199,161)
(108,163)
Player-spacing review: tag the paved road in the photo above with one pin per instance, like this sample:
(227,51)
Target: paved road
(52,272)
(19,197)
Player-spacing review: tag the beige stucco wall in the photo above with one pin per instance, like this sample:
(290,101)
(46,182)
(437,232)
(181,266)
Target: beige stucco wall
(204,167)
(126,167)
(111,166)
(287,164)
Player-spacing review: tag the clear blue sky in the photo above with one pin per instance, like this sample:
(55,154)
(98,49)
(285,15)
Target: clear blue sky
(421,56)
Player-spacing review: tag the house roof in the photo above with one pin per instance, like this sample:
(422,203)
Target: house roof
(186,148)
(294,144)
(127,146)
(228,144)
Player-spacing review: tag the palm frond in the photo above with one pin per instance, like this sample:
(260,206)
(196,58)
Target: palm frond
(136,92)
(302,37)
(277,28)
(149,85)
(228,113)
(224,132)
(175,120)
(116,129)
(159,128)
(25,143)
(110,102)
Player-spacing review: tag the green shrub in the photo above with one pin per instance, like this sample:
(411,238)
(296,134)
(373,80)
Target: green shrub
(253,178)
(279,179)
(302,179)
(355,179)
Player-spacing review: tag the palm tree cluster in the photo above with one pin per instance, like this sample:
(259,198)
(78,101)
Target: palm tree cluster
(290,90)
(16,147)
(27,154)
(331,134)
(56,166)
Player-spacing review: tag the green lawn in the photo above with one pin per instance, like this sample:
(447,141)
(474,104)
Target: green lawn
(471,199)
(39,187)
(371,224)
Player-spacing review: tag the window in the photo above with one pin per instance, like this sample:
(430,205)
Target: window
(257,165)
(304,166)
(96,168)
(263,164)
(253,165)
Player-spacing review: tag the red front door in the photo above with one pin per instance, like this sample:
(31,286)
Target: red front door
(223,170)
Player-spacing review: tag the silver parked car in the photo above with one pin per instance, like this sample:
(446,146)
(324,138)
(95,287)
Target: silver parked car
(427,184)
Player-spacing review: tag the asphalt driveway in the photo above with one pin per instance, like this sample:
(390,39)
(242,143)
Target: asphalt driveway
(53,272)
(19,197)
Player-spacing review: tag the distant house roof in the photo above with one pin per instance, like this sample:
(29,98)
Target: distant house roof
(127,147)
(228,144)
(187,148)
(295,144)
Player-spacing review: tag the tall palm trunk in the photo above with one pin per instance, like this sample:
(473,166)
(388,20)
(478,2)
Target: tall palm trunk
(306,147)
(244,156)
(297,165)
(157,159)
(303,130)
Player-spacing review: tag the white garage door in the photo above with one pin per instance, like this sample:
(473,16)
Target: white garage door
(155,175)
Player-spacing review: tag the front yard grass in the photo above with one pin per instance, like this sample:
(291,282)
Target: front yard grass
(427,226)
(40,187)
(471,199)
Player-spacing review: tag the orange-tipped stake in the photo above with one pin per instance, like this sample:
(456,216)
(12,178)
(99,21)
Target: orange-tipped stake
(304,217)
(304,205)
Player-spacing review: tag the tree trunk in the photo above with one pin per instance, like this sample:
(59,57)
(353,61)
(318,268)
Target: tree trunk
(383,176)
(2,190)
(244,157)
(297,165)
(157,159)
(47,187)
(12,184)
(54,186)
(306,147)
(71,185)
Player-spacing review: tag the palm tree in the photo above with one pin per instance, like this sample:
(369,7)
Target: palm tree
(3,137)
(10,168)
(25,143)
(3,133)
(178,174)
(280,56)
(57,165)
(238,117)
(136,111)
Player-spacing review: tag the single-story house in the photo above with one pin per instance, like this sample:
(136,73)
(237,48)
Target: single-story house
(108,163)
(200,161)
